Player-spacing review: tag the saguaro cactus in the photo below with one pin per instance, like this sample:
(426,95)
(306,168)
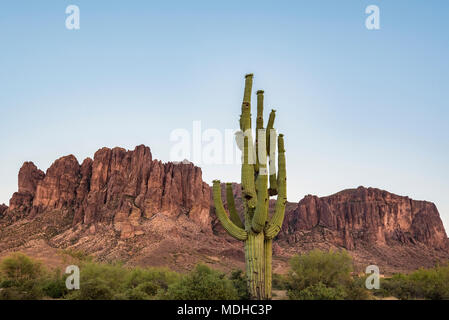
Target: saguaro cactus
(258,229)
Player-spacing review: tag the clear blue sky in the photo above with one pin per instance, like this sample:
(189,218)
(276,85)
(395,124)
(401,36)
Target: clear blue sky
(358,107)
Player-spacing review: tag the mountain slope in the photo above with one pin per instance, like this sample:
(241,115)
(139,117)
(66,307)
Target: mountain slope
(123,205)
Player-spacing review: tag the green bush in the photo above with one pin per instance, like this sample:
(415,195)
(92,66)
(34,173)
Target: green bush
(19,268)
(238,279)
(320,275)
(160,278)
(21,278)
(99,281)
(93,289)
(54,285)
(202,283)
(114,281)
(422,284)
(318,291)
(279,282)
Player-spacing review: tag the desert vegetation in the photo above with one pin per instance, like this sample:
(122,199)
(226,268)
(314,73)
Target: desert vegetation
(257,229)
(317,275)
(423,283)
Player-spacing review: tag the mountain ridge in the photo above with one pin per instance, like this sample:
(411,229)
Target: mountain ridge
(125,205)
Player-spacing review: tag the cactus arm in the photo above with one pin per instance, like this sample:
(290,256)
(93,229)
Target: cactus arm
(248,87)
(231,207)
(271,147)
(259,126)
(274,226)
(229,226)
(270,126)
(248,184)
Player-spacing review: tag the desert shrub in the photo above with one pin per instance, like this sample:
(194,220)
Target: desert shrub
(93,289)
(320,275)
(28,291)
(356,289)
(144,283)
(202,283)
(279,282)
(21,277)
(18,268)
(318,291)
(421,284)
(99,281)
(54,286)
(105,281)
(238,280)
(161,278)
(144,291)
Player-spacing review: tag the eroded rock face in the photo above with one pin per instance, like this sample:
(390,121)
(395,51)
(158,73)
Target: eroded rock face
(58,189)
(29,177)
(366,214)
(117,187)
(3,208)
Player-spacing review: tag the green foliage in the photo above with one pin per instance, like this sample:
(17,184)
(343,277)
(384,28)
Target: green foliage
(144,291)
(19,268)
(320,275)
(21,278)
(99,281)
(144,284)
(422,284)
(202,283)
(279,282)
(160,277)
(93,289)
(238,279)
(318,291)
(54,286)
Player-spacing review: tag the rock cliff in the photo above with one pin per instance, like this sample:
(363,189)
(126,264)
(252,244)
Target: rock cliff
(117,186)
(367,215)
(125,205)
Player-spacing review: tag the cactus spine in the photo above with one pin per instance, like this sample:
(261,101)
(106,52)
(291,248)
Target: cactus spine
(258,229)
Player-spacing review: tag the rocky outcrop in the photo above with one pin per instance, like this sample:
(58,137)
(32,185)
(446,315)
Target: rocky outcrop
(117,187)
(58,189)
(3,208)
(366,215)
(29,177)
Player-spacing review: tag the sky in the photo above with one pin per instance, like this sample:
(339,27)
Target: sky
(358,107)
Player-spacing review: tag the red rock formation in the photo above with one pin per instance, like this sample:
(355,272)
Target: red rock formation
(3,208)
(58,189)
(82,191)
(117,187)
(29,177)
(366,214)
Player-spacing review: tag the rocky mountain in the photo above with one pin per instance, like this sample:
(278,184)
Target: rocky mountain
(117,186)
(367,215)
(376,226)
(123,205)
